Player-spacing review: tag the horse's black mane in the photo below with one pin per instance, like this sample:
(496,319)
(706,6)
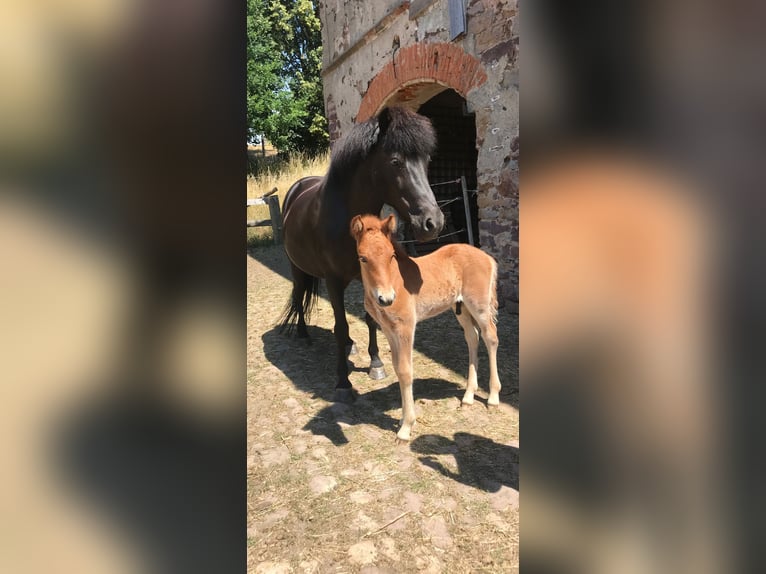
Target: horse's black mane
(395,129)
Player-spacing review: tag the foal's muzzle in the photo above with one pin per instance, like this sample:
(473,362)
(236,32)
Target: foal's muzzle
(386,300)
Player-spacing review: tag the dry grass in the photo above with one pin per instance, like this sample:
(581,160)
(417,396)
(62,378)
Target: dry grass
(329,490)
(281,174)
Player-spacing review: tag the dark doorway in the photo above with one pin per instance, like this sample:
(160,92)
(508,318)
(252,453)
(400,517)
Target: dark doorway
(455,156)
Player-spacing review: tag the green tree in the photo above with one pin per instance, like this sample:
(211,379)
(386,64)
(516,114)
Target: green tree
(263,68)
(284,75)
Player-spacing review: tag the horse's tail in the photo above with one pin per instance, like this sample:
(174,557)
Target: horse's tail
(298,306)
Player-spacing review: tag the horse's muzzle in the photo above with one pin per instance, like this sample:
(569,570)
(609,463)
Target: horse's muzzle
(427,226)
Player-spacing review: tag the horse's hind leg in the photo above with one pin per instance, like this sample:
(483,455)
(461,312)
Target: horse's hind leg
(301,282)
(472,338)
(377,371)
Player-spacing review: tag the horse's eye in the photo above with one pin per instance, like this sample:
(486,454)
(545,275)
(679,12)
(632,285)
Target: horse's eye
(363,259)
(396,162)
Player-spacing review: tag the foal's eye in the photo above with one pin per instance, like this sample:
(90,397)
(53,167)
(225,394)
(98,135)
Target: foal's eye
(363,259)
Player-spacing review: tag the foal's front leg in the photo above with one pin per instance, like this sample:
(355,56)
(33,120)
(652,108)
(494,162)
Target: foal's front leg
(377,371)
(401,350)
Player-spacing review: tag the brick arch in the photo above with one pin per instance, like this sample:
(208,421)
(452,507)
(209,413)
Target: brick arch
(440,63)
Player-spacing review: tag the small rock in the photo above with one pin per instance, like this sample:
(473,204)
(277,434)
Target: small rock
(364,523)
(273,568)
(292,404)
(272,518)
(392,513)
(309,567)
(319,453)
(321,484)
(388,548)
(274,456)
(504,498)
(413,501)
(362,552)
(360,497)
(435,528)
(426,562)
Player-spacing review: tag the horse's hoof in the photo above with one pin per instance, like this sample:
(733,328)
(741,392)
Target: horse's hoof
(377,373)
(347,396)
(351,350)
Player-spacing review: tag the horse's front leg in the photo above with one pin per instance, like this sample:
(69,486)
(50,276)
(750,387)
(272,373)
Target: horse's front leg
(401,350)
(377,371)
(344,392)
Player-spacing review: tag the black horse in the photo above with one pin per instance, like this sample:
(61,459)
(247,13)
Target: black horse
(383,160)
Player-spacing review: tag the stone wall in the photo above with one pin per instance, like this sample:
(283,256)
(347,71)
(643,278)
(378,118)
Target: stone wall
(393,52)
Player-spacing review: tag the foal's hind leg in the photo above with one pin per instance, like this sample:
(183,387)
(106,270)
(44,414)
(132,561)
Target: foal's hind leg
(376,371)
(482,319)
(472,338)
(489,334)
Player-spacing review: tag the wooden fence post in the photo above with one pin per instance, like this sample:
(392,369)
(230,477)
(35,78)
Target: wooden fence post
(276,218)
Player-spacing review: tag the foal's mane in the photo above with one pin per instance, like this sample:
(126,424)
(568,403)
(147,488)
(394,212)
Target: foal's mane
(395,129)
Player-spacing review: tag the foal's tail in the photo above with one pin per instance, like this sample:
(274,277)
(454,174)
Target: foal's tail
(299,306)
(493,293)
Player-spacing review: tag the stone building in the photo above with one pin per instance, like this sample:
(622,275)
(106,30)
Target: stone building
(454,61)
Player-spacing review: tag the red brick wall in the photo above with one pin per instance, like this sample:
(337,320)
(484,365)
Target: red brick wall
(444,63)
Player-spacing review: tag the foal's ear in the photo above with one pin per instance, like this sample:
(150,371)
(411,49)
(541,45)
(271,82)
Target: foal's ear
(356,227)
(389,225)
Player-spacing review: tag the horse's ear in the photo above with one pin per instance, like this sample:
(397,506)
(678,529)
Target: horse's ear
(384,120)
(389,225)
(356,227)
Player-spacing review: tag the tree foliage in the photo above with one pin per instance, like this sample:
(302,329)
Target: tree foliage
(284,85)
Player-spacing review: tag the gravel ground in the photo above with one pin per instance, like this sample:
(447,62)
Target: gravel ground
(329,490)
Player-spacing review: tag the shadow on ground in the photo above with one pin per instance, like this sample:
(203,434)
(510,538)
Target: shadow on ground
(429,339)
(481,462)
(311,367)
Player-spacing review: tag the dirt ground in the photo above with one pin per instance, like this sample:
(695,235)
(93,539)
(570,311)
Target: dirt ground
(329,490)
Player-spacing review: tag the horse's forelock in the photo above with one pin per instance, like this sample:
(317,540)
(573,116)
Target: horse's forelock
(404,131)
(408,133)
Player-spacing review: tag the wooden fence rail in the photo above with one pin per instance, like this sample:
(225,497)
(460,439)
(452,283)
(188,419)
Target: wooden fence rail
(275,220)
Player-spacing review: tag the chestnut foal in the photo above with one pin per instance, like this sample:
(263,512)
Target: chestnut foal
(399,291)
